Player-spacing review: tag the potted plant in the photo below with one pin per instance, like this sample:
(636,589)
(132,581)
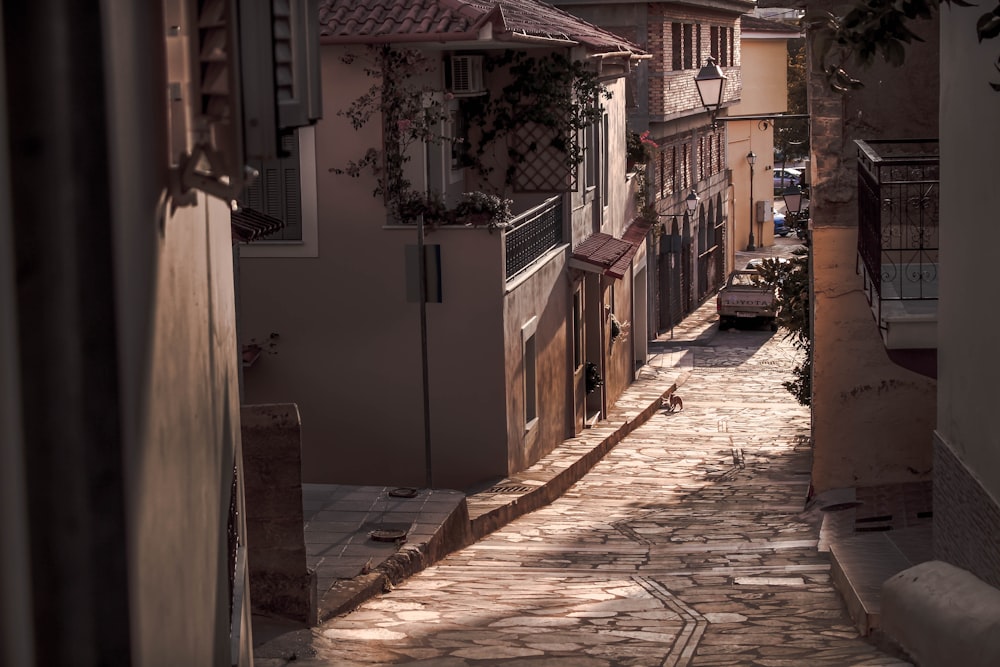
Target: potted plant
(480,208)
(412,205)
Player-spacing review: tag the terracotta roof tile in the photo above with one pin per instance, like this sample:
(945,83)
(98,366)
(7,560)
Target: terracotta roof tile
(402,20)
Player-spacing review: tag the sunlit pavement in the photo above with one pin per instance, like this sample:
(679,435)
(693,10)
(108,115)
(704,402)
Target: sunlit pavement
(687,544)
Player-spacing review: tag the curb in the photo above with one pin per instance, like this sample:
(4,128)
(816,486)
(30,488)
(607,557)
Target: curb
(458,531)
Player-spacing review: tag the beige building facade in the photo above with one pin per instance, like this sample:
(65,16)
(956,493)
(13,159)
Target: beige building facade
(691,252)
(510,326)
(764,53)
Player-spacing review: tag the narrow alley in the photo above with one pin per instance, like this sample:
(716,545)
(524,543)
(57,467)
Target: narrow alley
(688,544)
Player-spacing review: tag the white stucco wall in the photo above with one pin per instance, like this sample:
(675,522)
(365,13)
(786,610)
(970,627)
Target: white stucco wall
(970,235)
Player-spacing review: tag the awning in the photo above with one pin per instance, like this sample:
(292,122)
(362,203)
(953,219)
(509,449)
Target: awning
(603,253)
(249,225)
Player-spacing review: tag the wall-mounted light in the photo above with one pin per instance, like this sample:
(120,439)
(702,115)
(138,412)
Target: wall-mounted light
(690,202)
(711,83)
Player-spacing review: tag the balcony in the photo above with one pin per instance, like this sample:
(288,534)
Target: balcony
(532,234)
(898,190)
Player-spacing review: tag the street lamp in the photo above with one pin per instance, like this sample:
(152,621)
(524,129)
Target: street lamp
(711,83)
(751,160)
(793,203)
(691,202)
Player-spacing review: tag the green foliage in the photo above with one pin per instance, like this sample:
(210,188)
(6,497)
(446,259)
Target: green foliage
(551,91)
(409,113)
(879,28)
(791,140)
(791,280)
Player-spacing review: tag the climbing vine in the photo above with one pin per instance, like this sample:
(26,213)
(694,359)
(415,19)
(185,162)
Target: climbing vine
(551,91)
(410,113)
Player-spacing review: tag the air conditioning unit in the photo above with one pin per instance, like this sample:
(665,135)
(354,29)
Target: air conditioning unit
(467,75)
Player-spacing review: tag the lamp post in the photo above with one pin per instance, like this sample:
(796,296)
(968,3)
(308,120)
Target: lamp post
(751,160)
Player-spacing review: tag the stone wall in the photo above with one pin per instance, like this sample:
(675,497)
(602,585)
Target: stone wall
(280,583)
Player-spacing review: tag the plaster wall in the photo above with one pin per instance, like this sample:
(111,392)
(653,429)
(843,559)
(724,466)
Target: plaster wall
(765,91)
(765,76)
(968,361)
(542,301)
(874,417)
(968,358)
(179,479)
(872,420)
(350,349)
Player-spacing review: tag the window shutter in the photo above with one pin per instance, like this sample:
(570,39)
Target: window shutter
(260,108)
(296,61)
(290,188)
(216,162)
(277,191)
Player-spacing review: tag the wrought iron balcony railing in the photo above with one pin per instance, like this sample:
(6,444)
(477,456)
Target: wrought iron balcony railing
(532,234)
(898,189)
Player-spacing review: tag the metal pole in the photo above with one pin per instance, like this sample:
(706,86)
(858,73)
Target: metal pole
(750,246)
(422,270)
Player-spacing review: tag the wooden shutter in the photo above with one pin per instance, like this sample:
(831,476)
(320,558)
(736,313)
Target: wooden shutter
(296,62)
(277,191)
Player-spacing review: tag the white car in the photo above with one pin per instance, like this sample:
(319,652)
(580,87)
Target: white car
(784,177)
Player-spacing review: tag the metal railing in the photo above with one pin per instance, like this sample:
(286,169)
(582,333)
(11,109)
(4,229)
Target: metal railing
(898,191)
(532,234)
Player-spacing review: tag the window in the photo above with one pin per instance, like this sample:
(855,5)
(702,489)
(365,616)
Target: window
(675,43)
(276,191)
(577,329)
(590,157)
(605,160)
(286,189)
(688,47)
(530,356)
(721,46)
(697,45)
(458,132)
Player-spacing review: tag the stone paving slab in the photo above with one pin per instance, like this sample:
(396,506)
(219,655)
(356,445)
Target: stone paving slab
(686,543)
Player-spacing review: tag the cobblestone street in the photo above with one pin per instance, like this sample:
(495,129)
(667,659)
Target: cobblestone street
(686,545)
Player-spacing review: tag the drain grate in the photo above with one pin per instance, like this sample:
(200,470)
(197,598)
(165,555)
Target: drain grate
(509,489)
(839,507)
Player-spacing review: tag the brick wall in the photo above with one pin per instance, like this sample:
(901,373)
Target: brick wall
(673,91)
(966,518)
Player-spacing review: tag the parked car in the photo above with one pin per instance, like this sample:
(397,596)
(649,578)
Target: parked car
(746,298)
(779,224)
(783,177)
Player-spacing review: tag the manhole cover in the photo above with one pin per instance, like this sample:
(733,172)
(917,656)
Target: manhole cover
(839,507)
(388,535)
(403,492)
